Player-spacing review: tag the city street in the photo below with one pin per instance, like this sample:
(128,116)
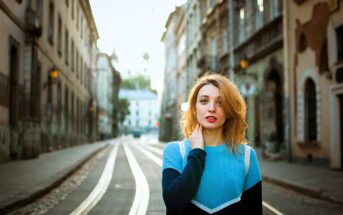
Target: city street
(125,178)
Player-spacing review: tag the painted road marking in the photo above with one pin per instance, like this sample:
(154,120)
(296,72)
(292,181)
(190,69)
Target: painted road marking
(271,208)
(150,155)
(141,200)
(101,187)
(153,149)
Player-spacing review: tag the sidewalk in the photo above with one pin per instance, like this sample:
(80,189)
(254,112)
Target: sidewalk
(25,180)
(313,181)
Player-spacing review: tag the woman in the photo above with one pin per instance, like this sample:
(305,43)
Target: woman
(212,171)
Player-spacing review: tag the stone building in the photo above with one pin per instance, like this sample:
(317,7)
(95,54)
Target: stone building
(108,84)
(193,19)
(214,56)
(313,41)
(45,75)
(257,53)
(180,32)
(243,40)
(169,121)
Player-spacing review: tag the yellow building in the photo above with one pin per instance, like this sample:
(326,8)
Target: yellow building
(313,41)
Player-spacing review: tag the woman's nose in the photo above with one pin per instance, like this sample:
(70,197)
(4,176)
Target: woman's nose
(212,107)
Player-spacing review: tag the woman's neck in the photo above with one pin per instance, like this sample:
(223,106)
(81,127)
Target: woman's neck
(212,137)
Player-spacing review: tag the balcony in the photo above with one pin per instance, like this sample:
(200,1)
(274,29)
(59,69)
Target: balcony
(209,63)
(33,25)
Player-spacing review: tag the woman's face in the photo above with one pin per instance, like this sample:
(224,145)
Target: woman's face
(209,111)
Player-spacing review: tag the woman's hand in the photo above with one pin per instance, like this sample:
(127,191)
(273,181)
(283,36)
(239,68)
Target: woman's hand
(197,140)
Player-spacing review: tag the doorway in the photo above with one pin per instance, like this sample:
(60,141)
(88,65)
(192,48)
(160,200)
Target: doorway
(340,98)
(13,96)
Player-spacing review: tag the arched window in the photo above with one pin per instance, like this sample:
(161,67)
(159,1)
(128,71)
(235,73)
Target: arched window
(310,111)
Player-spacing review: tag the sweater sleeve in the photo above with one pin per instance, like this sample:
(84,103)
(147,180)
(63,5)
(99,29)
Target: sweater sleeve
(252,195)
(180,186)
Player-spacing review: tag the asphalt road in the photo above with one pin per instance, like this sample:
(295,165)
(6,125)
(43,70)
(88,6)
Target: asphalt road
(126,179)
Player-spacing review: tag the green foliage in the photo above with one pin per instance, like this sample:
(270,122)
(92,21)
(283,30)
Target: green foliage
(124,109)
(138,82)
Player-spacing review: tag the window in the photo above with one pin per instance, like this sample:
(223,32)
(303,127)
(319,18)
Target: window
(59,105)
(77,115)
(273,8)
(77,16)
(77,64)
(339,35)
(241,25)
(51,23)
(81,28)
(72,55)
(72,8)
(310,111)
(66,110)
(212,3)
(72,112)
(59,36)
(81,70)
(225,47)
(213,53)
(66,47)
(259,14)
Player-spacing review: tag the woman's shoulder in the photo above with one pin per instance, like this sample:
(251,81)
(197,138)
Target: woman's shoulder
(174,146)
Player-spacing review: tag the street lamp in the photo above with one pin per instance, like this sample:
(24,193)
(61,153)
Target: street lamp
(54,72)
(53,76)
(244,63)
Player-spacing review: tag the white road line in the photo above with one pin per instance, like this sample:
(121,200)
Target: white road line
(271,208)
(150,155)
(101,187)
(141,200)
(153,149)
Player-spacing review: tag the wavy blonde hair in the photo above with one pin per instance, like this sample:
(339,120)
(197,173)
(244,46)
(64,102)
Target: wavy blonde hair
(233,105)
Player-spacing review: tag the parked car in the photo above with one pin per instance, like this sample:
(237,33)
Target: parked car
(136,134)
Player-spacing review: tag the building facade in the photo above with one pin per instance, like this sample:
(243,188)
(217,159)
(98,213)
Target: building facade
(169,121)
(314,67)
(181,96)
(257,62)
(45,77)
(193,19)
(144,111)
(108,84)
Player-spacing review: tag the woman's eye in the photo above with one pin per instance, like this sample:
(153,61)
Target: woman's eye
(203,101)
(219,103)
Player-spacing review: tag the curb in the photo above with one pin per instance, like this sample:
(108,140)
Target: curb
(16,204)
(315,193)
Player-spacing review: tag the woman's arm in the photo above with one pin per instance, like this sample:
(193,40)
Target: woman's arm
(180,188)
(252,199)
(252,195)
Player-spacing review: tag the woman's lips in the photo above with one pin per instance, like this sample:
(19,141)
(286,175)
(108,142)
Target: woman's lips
(211,119)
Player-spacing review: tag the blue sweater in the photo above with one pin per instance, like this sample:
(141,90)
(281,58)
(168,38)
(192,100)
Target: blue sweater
(210,181)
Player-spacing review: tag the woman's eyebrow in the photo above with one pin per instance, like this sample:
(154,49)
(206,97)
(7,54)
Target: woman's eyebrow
(206,96)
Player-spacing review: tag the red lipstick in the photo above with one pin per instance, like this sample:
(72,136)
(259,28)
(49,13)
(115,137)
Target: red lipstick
(211,119)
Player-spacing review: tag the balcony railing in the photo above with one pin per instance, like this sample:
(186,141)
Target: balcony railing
(209,63)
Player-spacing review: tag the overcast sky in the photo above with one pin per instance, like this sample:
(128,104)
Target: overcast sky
(133,27)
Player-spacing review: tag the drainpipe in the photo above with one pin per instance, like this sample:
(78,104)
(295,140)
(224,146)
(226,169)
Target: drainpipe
(232,37)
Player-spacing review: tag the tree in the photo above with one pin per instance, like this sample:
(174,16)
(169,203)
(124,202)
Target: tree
(135,83)
(124,109)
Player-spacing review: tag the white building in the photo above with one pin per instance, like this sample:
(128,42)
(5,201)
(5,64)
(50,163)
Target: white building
(144,110)
(108,81)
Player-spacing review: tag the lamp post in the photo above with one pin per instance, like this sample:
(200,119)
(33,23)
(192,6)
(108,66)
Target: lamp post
(244,63)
